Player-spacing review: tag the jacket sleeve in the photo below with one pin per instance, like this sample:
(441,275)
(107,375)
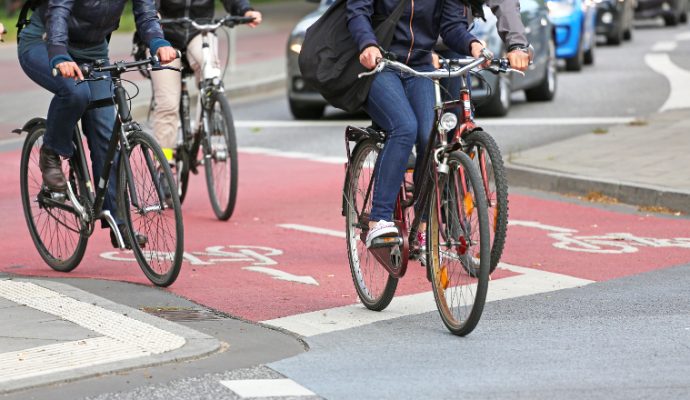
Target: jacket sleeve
(57,18)
(508,21)
(146,19)
(454,27)
(359,14)
(237,7)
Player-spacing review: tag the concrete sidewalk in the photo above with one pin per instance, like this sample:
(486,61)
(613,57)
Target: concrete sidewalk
(644,163)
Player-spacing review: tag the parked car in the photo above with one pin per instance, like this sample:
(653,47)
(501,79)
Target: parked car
(615,20)
(492,93)
(673,11)
(575,31)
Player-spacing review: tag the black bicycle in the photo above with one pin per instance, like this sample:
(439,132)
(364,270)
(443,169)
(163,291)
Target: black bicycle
(61,223)
(216,134)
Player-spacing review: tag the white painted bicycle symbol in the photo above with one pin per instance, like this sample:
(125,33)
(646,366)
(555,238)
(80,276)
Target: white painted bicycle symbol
(609,243)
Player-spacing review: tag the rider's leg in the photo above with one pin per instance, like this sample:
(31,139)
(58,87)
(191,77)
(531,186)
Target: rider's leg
(65,109)
(195,59)
(167,89)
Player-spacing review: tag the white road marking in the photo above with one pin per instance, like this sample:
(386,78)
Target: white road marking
(683,36)
(665,46)
(293,154)
(530,281)
(482,122)
(538,225)
(123,337)
(679,80)
(284,276)
(253,388)
(313,229)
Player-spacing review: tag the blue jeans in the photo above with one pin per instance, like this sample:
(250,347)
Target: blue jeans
(403,106)
(68,106)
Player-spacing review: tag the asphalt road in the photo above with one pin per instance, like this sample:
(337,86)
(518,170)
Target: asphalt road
(596,316)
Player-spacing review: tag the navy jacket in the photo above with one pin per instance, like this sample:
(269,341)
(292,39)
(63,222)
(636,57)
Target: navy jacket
(418,29)
(180,34)
(87,23)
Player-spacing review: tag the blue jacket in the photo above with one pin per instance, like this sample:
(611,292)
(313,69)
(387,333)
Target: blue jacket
(87,23)
(418,29)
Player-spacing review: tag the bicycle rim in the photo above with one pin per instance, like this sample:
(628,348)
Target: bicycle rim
(459,251)
(56,233)
(160,220)
(485,154)
(220,158)
(375,287)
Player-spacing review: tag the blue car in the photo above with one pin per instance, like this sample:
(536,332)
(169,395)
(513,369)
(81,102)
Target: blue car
(575,22)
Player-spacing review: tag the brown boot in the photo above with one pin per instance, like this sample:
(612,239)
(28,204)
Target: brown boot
(51,169)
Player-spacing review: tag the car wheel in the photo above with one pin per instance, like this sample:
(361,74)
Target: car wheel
(627,35)
(589,56)
(546,90)
(306,110)
(499,102)
(671,19)
(575,63)
(616,38)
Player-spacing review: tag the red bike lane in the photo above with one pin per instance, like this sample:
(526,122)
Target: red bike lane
(255,268)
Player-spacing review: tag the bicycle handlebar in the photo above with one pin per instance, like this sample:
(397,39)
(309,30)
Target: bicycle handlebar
(121,66)
(229,21)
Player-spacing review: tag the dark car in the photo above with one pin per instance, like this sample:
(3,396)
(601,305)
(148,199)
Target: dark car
(673,11)
(615,20)
(492,93)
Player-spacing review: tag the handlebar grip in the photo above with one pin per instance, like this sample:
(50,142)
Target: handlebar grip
(56,72)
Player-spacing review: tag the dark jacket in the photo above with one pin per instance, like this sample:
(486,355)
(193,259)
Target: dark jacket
(87,23)
(417,30)
(180,34)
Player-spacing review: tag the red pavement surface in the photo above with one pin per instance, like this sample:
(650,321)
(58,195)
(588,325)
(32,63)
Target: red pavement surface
(276,191)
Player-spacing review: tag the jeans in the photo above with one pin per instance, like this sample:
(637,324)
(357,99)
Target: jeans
(403,106)
(68,106)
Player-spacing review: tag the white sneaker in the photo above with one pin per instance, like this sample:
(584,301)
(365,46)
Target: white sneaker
(382,228)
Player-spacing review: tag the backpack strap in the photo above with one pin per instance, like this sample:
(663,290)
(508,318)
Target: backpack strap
(22,20)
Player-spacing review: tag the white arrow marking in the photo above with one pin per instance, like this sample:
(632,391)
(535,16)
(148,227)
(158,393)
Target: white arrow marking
(313,229)
(534,224)
(678,78)
(284,276)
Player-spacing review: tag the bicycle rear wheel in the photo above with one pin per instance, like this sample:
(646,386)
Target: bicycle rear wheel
(220,158)
(458,245)
(484,152)
(161,256)
(374,285)
(56,233)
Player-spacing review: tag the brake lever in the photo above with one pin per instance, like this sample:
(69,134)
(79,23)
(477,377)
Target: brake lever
(379,67)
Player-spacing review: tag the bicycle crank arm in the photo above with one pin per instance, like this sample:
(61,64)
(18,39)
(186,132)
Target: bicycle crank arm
(76,204)
(108,217)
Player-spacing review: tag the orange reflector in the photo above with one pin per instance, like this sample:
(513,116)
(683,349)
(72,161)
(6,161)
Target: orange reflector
(472,155)
(469,204)
(443,277)
(389,239)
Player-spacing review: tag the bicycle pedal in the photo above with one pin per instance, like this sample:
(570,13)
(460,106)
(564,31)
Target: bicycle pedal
(386,241)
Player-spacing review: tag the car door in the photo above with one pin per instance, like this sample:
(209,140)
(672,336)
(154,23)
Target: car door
(537,27)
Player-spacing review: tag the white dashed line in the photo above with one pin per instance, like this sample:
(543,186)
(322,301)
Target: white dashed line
(257,388)
(313,229)
(665,46)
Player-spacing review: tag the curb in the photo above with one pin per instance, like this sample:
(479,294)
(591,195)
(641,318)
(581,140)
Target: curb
(196,344)
(625,192)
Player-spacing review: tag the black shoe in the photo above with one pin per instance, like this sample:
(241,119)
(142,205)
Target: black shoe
(141,238)
(51,170)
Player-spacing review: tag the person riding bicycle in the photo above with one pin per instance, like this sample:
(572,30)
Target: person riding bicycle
(62,34)
(167,86)
(403,105)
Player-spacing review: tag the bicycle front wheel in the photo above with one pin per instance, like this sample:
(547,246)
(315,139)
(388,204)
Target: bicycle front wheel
(458,242)
(220,158)
(374,285)
(56,232)
(485,154)
(152,211)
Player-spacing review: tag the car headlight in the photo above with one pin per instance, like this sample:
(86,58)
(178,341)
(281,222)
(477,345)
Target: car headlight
(560,8)
(296,44)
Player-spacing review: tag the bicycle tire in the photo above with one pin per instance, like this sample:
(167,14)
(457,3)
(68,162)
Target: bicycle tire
(62,257)
(448,219)
(182,172)
(369,283)
(498,202)
(152,212)
(221,151)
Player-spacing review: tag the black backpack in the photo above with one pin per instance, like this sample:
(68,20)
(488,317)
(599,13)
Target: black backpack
(23,20)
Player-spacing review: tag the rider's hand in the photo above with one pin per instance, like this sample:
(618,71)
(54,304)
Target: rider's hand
(519,59)
(370,57)
(476,49)
(257,18)
(435,60)
(166,54)
(70,69)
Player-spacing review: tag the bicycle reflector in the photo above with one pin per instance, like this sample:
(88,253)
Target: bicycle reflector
(449,121)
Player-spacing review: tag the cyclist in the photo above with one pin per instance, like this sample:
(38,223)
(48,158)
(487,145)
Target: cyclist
(77,31)
(166,84)
(404,105)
